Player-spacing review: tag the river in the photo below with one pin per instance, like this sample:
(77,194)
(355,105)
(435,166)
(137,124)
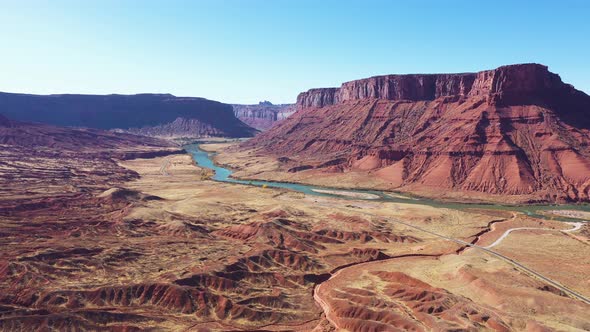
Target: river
(205,159)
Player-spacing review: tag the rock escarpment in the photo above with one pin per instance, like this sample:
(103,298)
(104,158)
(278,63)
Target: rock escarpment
(507,84)
(515,130)
(143,113)
(263,115)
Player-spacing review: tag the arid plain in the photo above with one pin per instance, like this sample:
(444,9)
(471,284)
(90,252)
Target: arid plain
(170,249)
(383,274)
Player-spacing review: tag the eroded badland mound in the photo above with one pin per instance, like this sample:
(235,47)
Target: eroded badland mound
(515,130)
(91,240)
(48,163)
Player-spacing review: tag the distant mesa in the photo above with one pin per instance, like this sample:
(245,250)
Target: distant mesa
(146,114)
(506,85)
(263,115)
(516,130)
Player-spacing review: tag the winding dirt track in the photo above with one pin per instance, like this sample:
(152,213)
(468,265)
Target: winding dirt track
(575,295)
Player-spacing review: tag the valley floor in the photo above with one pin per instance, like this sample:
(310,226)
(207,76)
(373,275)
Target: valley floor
(172,250)
(258,164)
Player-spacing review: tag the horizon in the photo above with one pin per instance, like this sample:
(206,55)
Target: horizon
(240,52)
(426,165)
(273,103)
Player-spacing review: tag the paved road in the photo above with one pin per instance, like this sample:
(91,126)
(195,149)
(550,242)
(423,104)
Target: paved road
(529,271)
(577,225)
(164,167)
(573,294)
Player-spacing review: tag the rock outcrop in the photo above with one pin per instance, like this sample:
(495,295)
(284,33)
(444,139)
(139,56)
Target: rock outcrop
(263,115)
(507,84)
(514,130)
(143,113)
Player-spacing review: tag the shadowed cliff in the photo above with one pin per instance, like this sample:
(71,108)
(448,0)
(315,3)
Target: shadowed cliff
(151,114)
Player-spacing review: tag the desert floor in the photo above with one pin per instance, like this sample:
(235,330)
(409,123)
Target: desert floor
(172,250)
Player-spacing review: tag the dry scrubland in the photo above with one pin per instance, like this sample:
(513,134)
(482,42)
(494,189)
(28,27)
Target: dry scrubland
(171,251)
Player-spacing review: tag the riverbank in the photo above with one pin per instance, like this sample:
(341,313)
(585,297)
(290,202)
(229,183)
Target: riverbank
(254,165)
(207,155)
(573,214)
(347,194)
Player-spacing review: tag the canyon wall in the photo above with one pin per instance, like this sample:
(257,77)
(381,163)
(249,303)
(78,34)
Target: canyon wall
(515,130)
(504,84)
(263,115)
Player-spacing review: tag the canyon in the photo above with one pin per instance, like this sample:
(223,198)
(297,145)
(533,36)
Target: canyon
(306,166)
(112,231)
(116,229)
(161,115)
(264,115)
(516,133)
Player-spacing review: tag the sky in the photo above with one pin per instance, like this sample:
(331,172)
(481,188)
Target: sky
(245,51)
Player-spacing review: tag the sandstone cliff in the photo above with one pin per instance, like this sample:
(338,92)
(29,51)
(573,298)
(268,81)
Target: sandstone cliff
(263,115)
(508,84)
(140,112)
(514,130)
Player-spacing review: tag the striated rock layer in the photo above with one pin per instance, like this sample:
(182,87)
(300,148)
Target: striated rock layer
(38,160)
(514,130)
(263,115)
(146,114)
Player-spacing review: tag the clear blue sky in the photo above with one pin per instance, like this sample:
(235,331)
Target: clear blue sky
(250,50)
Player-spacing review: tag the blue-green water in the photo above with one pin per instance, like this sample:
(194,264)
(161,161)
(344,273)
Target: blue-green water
(204,159)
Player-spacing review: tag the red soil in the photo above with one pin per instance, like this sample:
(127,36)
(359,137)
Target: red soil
(516,130)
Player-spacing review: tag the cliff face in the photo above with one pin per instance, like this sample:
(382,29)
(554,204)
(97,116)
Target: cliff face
(515,130)
(263,115)
(318,97)
(126,111)
(504,83)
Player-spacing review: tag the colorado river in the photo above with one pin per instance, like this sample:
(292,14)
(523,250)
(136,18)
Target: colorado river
(204,159)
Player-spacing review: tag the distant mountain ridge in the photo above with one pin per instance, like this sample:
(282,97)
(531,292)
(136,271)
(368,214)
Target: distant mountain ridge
(137,112)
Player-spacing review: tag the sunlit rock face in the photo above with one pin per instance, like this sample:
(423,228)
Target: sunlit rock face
(264,115)
(515,130)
